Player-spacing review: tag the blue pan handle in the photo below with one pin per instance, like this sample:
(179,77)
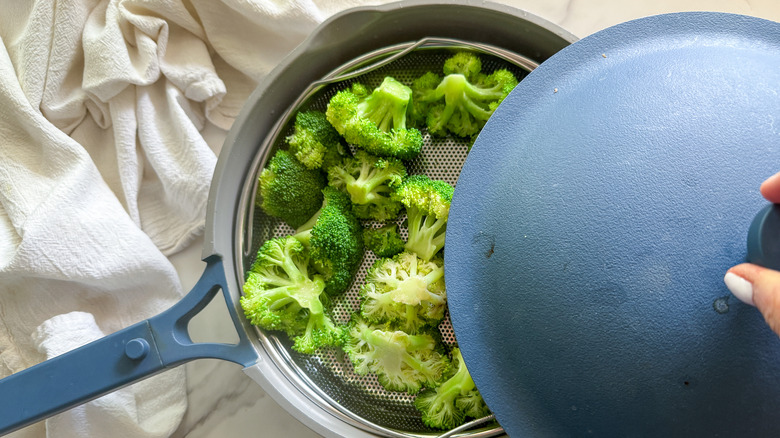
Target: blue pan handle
(129,355)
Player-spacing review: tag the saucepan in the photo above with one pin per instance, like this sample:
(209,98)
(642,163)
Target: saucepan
(396,37)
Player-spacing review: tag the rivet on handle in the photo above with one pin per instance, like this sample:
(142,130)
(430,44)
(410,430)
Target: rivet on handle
(137,348)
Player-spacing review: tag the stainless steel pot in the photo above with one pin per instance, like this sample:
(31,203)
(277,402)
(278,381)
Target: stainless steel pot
(338,49)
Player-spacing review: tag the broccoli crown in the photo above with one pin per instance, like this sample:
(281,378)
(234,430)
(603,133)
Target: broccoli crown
(406,291)
(462,101)
(335,240)
(376,122)
(282,294)
(315,142)
(384,241)
(467,64)
(402,362)
(288,190)
(370,181)
(425,84)
(427,205)
(448,405)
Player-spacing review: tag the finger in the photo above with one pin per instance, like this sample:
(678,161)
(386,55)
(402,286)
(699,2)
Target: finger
(770,189)
(758,286)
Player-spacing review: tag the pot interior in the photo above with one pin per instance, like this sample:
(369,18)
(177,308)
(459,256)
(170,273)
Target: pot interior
(329,374)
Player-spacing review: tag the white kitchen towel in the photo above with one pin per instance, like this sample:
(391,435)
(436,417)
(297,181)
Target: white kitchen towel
(104,171)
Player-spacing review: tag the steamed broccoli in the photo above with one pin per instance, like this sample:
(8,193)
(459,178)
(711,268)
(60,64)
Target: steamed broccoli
(405,291)
(376,122)
(402,362)
(314,142)
(370,181)
(462,101)
(448,405)
(281,293)
(334,237)
(288,190)
(465,63)
(427,205)
(384,241)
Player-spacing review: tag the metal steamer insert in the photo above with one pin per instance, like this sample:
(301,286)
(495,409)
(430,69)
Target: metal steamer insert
(327,377)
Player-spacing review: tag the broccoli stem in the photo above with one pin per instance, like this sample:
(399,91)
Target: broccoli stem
(379,112)
(304,237)
(303,233)
(411,312)
(279,297)
(363,189)
(307,291)
(399,347)
(460,94)
(309,224)
(411,290)
(440,407)
(434,276)
(459,384)
(386,106)
(308,296)
(272,277)
(426,234)
(295,272)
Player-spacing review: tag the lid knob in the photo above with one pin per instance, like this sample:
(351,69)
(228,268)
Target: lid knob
(763,245)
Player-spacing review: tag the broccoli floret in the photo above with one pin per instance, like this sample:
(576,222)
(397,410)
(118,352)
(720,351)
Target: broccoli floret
(462,101)
(335,240)
(465,63)
(384,241)
(427,205)
(405,291)
(288,190)
(282,294)
(448,405)
(370,181)
(376,122)
(402,362)
(315,142)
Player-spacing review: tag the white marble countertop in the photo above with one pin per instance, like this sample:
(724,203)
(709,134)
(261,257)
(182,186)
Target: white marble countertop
(223,401)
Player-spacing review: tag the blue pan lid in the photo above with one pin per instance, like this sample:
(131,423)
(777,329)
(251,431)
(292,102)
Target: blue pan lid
(592,225)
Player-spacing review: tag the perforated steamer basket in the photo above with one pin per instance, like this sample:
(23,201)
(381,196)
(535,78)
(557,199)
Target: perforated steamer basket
(329,373)
(402,40)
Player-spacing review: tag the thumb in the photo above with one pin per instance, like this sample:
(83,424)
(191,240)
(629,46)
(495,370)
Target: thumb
(758,286)
(770,189)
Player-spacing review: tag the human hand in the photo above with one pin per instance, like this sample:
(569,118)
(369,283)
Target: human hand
(756,285)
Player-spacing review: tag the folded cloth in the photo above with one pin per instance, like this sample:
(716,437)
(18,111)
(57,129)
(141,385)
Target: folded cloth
(104,171)
(69,245)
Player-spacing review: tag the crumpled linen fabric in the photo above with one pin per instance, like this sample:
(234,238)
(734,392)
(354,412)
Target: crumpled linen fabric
(105,172)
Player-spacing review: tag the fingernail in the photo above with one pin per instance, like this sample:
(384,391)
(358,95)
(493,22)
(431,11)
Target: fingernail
(741,288)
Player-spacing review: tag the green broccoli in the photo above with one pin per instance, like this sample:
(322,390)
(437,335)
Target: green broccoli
(402,362)
(376,122)
(282,294)
(457,398)
(465,63)
(384,241)
(405,291)
(370,181)
(315,142)
(288,190)
(427,205)
(334,237)
(462,101)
